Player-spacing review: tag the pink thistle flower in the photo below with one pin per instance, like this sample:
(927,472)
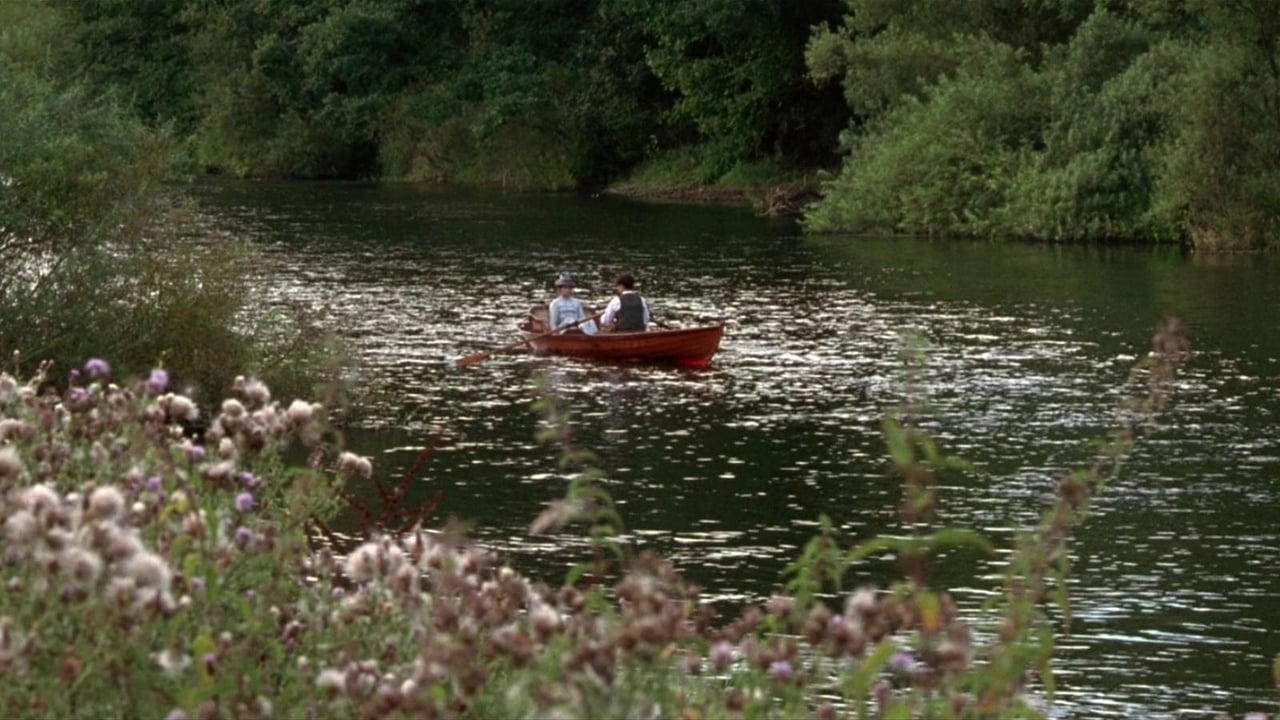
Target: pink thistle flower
(721,655)
(82,566)
(903,662)
(300,412)
(257,392)
(22,528)
(10,464)
(106,503)
(362,563)
(330,679)
(97,367)
(882,691)
(181,407)
(39,499)
(148,570)
(349,462)
(158,381)
(244,502)
(172,662)
(232,408)
(13,427)
(780,669)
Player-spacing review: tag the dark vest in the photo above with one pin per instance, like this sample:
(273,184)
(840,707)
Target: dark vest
(631,314)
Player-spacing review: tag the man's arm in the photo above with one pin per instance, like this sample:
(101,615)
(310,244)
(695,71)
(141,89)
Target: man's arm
(610,310)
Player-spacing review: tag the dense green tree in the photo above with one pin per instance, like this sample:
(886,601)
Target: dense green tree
(738,72)
(1056,119)
(300,88)
(1091,171)
(1219,176)
(92,240)
(888,50)
(526,92)
(943,162)
(1152,119)
(141,49)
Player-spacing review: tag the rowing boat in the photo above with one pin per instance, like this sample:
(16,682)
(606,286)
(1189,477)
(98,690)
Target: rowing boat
(686,347)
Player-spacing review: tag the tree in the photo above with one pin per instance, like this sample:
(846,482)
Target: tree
(737,70)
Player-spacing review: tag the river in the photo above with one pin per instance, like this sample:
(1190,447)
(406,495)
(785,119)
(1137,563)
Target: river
(726,470)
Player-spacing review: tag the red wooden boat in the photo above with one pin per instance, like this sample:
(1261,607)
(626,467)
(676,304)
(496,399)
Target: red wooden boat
(687,347)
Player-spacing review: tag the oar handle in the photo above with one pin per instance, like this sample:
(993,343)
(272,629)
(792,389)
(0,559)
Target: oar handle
(477,357)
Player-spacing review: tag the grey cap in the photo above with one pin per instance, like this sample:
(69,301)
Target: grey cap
(564,279)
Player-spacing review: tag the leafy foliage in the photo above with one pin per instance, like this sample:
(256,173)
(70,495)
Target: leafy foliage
(96,243)
(1049,119)
(1122,117)
(944,163)
(736,69)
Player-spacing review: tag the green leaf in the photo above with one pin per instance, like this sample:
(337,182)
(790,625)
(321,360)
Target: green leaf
(858,685)
(874,546)
(898,710)
(575,573)
(201,646)
(961,537)
(896,438)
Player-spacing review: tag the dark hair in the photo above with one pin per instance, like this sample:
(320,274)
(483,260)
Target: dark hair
(626,281)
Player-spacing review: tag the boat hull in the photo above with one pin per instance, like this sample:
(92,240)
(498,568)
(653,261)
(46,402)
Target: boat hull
(687,347)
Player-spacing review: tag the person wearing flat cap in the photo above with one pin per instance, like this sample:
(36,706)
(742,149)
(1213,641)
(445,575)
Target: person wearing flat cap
(627,311)
(567,309)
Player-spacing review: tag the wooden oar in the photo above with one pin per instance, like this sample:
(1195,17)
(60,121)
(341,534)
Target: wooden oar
(477,357)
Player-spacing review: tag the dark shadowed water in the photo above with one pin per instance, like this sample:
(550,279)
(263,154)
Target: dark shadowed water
(726,470)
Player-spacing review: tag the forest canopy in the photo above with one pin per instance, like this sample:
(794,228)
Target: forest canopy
(1101,120)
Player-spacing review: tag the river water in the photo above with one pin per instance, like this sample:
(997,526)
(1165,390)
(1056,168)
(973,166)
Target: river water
(726,470)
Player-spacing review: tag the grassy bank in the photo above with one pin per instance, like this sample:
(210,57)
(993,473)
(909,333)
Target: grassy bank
(769,186)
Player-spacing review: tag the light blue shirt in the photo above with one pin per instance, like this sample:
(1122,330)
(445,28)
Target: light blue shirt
(566,311)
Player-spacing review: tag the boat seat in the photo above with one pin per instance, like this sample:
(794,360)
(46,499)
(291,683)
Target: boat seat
(537,319)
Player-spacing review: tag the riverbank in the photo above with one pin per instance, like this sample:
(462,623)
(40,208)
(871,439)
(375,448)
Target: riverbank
(771,200)
(771,187)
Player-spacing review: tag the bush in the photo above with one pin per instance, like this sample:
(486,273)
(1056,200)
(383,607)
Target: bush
(97,244)
(1219,175)
(944,164)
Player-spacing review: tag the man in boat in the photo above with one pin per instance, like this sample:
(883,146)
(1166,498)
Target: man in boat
(567,309)
(627,311)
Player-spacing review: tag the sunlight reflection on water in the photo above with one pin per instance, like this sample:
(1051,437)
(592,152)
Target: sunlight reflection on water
(726,470)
